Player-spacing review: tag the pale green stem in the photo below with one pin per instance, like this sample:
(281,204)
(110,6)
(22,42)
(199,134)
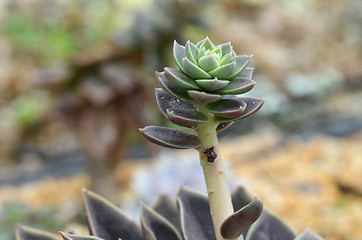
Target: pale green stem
(214,173)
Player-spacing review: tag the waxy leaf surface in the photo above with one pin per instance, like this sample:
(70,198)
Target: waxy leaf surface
(27,233)
(185,117)
(166,101)
(204,97)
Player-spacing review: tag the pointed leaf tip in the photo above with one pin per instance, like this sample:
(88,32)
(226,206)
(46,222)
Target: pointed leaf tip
(308,235)
(23,232)
(240,221)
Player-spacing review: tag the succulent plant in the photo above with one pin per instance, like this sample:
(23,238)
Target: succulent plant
(186,218)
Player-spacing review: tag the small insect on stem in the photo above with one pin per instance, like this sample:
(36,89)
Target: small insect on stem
(210,154)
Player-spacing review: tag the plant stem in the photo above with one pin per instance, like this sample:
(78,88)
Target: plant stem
(214,173)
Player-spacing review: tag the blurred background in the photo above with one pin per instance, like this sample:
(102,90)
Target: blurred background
(76,83)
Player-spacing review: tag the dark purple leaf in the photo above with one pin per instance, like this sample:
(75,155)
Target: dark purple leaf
(27,233)
(107,221)
(171,88)
(196,220)
(167,207)
(241,220)
(227,108)
(240,198)
(156,227)
(166,101)
(212,84)
(170,137)
(68,236)
(308,235)
(252,106)
(204,97)
(185,117)
(180,79)
(238,85)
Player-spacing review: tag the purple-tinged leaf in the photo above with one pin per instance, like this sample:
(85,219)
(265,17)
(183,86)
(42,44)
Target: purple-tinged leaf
(252,106)
(179,53)
(223,71)
(240,198)
(269,227)
(247,73)
(227,108)
(212,84)
(241,220)
(68,236)
(207,44)
(106,220)
(185,117)
(171,88)
(180,79)
(193,70)
(308,235)
(209,62)
(166,101)
(170,137)
(222,126)
(167,208)
(204,97)
(226,59)
(191,52)
(241,63)
(225,48)
(238,85)
(156,227)
(27,233)
(196,220)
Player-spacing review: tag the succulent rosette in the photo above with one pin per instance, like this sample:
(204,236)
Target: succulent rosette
(206,85)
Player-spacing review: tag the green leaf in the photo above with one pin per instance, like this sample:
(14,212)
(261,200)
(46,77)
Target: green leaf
(179,53)
(192,52)
(207,44)
(308,235)
(241,220)
(238,85)
(204,97)
(196,220)
(241,63)
(166,101)
(171,88)
(193,70)
(227,108)
(209,62)
(185,117)
(212,84)
(106,220)
(226,59)
(170,137)
(226,48)
(199,43)
(202,53)
(223,71)
(180,79)
(27,233)
(156,227)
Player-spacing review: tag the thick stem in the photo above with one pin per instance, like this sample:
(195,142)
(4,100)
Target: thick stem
(215,177)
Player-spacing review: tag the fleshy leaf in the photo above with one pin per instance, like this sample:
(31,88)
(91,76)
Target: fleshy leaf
(167,208)
(227,108)
(212,84)
(171,88)
(226,59)
(106,220)
(156,227)
(209,62)
(170,137)
(196,220)
(269,227)
(240,198)
(202,53)
(185,117)
(224,70)
(222,126)
(252,106)
(193,70)
(238,85)
(180,79)
(247,73)
(199,43)
(192,52)
(207,44)
(241,63)
(166,101)
(204,97)
(179,53)
(308,235)
(225,48)
(68,236)
(27,233)
(241,220)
